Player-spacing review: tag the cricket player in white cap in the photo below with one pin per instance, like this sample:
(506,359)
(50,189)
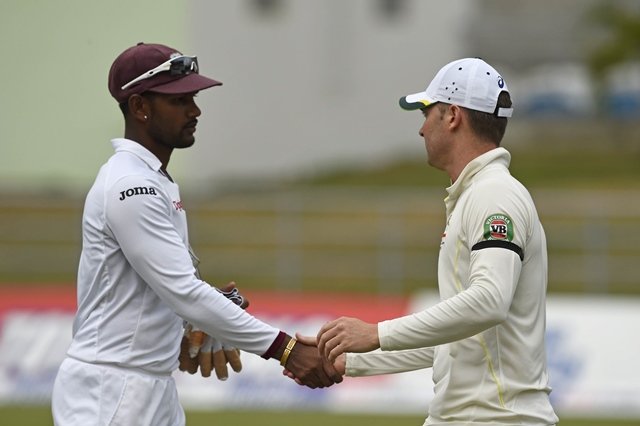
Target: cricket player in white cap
(485,340)
(137,282)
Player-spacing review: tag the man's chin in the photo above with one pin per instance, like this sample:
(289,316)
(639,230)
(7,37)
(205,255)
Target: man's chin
(187,144)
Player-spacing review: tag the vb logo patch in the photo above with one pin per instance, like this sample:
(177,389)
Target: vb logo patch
(498,227)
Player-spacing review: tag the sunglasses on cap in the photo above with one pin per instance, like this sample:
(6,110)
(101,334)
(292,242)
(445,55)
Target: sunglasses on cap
(181,65)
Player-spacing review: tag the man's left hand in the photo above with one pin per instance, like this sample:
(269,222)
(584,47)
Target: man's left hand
(347,335)
(201,351)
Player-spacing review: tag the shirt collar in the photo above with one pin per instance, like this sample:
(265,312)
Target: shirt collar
(127,145)
(498,156)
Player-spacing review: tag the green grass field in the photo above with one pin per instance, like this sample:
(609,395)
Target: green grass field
(41,416)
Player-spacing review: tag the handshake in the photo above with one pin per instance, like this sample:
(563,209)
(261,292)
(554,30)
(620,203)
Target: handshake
(313,361)
(333,341)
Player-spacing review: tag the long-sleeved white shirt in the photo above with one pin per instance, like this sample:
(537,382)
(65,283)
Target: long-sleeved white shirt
(485,339)
(136,281)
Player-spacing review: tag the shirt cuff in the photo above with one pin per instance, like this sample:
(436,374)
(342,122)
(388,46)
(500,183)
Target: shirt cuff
(383,335)
(274,346)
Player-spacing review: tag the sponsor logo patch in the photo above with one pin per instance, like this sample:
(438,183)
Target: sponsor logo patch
(498,227)
(139,190)
(178,205)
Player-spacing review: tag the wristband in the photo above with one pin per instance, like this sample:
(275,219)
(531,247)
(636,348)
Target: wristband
(287,351)
(274,346)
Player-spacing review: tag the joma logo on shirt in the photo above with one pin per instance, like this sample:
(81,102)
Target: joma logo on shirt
(139,190)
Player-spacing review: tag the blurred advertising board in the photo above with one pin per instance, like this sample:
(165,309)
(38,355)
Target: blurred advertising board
(591,341)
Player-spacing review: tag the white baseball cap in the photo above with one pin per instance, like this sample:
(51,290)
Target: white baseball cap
(470,83)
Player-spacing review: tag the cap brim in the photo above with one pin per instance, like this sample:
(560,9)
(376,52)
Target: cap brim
(187,84)
(415,101)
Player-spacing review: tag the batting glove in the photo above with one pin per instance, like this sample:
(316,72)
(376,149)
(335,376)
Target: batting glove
(201,350)
(220,355)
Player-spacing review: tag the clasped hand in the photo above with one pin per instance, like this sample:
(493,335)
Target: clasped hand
(346,335)
(334,339)
(337,368)
(308,368)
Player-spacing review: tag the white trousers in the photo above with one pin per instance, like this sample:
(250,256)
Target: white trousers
(91,394)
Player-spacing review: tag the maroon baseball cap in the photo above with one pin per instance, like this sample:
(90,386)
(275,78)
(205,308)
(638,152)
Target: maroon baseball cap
(134,72)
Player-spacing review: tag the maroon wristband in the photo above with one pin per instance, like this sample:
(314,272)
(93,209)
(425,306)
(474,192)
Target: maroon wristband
(275,345)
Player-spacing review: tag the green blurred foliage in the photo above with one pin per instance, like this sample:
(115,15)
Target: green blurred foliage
(620,25)
(568,168)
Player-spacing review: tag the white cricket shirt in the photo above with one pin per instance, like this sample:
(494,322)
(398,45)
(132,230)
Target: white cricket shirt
(136,281)
(485,339)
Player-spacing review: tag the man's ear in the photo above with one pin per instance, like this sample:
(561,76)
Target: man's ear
(139,108)
(454,116)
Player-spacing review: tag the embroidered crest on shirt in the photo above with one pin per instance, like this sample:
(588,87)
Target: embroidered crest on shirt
(498,227)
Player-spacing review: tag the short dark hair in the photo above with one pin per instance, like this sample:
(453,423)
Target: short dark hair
(124,106)
(490,126)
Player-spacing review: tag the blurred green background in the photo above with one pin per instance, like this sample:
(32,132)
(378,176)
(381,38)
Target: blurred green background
(374,230)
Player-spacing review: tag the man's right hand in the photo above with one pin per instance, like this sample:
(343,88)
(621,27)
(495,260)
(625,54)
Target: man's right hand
(339,365)
(309,368)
